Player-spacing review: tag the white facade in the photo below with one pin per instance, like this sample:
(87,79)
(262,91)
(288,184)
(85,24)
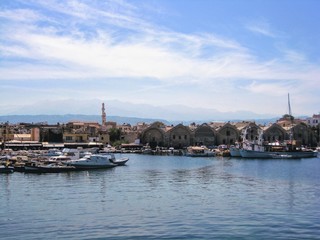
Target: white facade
(314,120)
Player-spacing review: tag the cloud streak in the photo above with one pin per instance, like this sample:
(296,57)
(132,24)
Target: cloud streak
(110,41)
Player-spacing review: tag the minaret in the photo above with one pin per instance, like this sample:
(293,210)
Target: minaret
(104,117)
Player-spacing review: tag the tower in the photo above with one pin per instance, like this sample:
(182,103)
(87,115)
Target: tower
(104,117)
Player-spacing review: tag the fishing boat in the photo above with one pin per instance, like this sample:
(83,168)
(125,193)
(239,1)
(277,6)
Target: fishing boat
(265,152)
(286,149)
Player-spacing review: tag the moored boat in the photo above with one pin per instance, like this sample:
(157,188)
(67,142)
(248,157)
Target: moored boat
(54,168)
(6,169)
(199,151)
(235,151)
(120,161)
(263,153)
(94,161)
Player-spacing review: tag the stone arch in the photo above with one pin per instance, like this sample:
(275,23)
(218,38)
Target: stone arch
(204,135)
(154,135)
(179,136)
(274,133)
(228,134)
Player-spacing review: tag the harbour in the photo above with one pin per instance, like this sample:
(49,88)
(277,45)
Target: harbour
(166,197)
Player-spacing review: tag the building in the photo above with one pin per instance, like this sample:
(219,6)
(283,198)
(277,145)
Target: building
(313,121)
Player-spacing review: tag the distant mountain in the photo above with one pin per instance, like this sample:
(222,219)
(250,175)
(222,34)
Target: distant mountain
(54,119)
(91,109)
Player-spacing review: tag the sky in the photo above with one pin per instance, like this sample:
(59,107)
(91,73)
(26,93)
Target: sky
(223,55)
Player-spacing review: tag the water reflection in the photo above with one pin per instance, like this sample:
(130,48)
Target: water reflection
(167,197)
(5,192)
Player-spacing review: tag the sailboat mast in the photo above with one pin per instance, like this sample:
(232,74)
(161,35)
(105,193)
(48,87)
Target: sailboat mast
(291,119)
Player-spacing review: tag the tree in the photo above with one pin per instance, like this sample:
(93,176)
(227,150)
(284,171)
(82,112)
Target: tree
(114,134)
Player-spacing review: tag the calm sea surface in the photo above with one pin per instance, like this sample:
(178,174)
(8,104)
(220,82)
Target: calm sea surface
(166,197)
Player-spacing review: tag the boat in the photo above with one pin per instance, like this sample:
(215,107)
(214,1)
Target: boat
(235,151)
(54,168)
(93,161)
(120,161)
(6,169)
(266,152)
(199,151)
(286,149)
(53,152)
(281,156)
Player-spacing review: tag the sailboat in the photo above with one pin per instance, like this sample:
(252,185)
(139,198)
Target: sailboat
(285,150)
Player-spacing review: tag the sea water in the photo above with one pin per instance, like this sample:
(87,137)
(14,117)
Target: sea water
(166,197)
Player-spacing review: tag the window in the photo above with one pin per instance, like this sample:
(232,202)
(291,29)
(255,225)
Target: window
(68,138)
(228,133)
(185,137)
(174,137)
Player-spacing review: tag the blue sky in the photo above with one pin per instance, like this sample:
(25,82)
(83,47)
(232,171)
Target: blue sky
(225,55)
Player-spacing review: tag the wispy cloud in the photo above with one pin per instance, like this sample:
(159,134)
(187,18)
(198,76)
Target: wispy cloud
(261,27)
(111,41)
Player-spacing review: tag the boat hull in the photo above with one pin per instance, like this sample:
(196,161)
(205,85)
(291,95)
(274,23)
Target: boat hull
(4,169)
(87,166)
(235,152)
(260,154)
(120,162)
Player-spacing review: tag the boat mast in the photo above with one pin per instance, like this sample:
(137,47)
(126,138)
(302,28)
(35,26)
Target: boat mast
(291,119)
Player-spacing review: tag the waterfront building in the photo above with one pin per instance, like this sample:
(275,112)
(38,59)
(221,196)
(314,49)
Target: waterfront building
(157,134)
(301,134)
(179,137)
(228,134)
(313,121)
(205,135)
(251,128)
(274,132)
(51,133)
(154,135)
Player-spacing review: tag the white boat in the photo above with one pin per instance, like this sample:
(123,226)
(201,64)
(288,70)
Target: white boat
(284,150)
(53,152)
(235,151)
(120,161)
(199,151)
(264,153)
(281,156)
(287,149)
(93,161)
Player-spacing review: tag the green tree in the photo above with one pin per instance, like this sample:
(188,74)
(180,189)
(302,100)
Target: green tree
(114,134)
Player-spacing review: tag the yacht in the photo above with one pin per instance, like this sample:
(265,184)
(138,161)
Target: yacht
(92,161)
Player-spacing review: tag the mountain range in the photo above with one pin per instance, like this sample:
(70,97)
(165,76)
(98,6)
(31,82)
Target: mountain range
(53,111)
(54,119)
